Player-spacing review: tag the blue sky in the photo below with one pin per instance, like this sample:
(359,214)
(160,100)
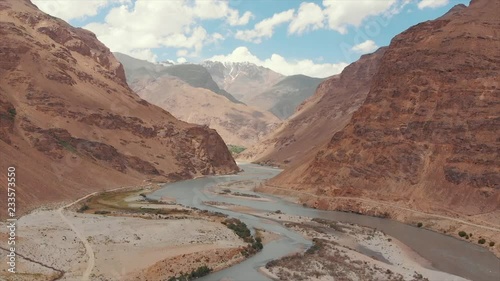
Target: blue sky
(316,38)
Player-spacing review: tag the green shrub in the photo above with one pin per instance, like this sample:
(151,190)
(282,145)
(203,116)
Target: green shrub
(492,244)
(83,209)
(101,212)
(12,112)
(420,224)
(239,227)
(200,272)
(462,233)
(481,241)
(235,149)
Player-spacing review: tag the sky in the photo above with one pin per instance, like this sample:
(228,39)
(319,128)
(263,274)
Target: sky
(315,38)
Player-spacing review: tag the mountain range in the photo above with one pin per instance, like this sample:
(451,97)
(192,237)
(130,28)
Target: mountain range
(189,93)
(71,125)
(261,87)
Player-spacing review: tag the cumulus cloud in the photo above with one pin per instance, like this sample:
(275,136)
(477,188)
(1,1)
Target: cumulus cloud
(131,27)
(155,24)
(341,14)
(432,3)
(365,47)
(281,65)
(310,16)
(264,28)
(68,10)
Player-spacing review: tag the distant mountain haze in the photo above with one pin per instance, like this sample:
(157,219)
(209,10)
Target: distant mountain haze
(188,92)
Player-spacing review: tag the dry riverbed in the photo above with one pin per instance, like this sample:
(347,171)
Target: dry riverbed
(131,238)
(343,251)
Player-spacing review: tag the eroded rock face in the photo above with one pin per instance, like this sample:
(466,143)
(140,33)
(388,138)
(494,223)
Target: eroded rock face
(316,119)
(71,124)
(427,134)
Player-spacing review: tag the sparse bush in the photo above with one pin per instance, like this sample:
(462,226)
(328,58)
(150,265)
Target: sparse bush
(12,113)
(278,212)
(462,233)
(239,227)
(481,241)
(83,209)
(200,272)
(102,212)
(492,244)
(235,149)
(420,224)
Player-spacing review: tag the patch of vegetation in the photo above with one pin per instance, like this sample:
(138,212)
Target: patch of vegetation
(246,195)
(492,244)
(67,146)
(462,233)
(197,273)
(83,208)
(102,212)
(481,241)
(314,248)
(239,227)
(420,224)
(12,112)
(331,224)
(236,149)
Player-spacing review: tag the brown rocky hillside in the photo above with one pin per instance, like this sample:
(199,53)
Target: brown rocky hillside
(319,117)
(427,134)
(71,125)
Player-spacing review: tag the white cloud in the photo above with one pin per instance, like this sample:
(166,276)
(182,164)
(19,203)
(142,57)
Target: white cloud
(366,47)
(340,13)
(182,53)
(282,65)
(181,60)
(235,19)
(309,17)
(143,54)
(68,10)
(432,3)
(265,28)
(155,24)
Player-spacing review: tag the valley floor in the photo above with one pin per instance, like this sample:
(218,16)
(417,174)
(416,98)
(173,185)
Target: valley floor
(129,239)
(481,226)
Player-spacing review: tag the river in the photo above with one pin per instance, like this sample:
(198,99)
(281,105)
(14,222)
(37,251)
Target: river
(445,253)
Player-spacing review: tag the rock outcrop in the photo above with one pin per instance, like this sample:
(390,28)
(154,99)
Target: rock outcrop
(427,133)
(319,117)
(71,125)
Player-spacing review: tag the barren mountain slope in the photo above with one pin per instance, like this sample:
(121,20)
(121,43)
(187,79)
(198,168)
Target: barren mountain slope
(283,98)
(71,125)
(195,75)
(427,134)
(238,124)
(242,79)
(319,117)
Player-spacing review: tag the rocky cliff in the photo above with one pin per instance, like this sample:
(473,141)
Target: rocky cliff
(71,125)
(427,133)
(319,117)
